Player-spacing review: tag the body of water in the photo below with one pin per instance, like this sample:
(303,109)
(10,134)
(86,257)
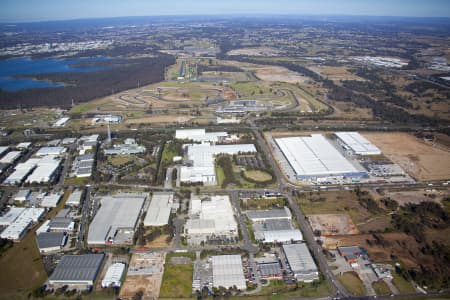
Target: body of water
(11,68)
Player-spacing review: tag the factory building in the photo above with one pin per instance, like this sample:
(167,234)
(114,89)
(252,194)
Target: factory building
(127,148)
(17,229)
(274,226)
(57,151)
(74,198)
(22,195)
(21,171)
(50,241)
(200,135)
(45,171)
(3,149)
(315,158)
(113,276)
(201,168)
(300,262)
(210,217)
(116,219)
(228,271)
(159,210)
(11,215)
(10,157)
(356,144)
(51,200)
(83,165)
(77,270)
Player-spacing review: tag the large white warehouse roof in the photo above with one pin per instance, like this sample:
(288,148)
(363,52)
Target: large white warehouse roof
(313,156)
(199,135)
(116,212)
(159,211)
(357,143)
(228,271)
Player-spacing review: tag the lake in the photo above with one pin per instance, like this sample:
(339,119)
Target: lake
(11,68)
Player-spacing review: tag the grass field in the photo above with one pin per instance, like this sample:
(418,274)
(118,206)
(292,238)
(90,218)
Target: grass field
(277,289)
(120,160)
(177,280)
(262,203)
(332,203)
(381,288)
(220,175)
(258,176)
(402,284)
(352,283)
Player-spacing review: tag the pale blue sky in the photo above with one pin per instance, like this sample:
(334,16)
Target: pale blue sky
(38,10)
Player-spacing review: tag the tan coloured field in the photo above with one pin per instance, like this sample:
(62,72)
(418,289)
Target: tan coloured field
(144,275)
(416,197)
(420,160)
(159,242)
(333,224)
(337,73)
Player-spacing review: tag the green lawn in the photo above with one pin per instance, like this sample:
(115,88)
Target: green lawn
(277,289)
(177,281)
(352,283)
(381,288)
(220,175)
(402,284)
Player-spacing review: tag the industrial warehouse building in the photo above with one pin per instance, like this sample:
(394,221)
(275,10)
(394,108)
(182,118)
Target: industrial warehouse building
(314,157)
(17,228)
(44,151)
(50,241)
(21,171)
(202,158)
(74,198)
(116,219)
(228,271)
(211,217)
(356,143)
(113,276)
(159,211)
(127,148)
(200,135)
(274,226)
(301,262)
(45,170)
(77,270)
(10,157)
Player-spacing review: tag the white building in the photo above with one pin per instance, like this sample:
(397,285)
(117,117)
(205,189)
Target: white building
(228,271)
(44,151)
(22,195)
(301,262)
(200,135)
(23,146)
(113,276)
(61,122)
(3,149)
(16,230)
(210,217)
(159,210)
(202,157)
(11,215)
(314,157)
(45,171)
(356,143)
(10,157)
(116,219)
(51,200)
(74,198)
(21,171)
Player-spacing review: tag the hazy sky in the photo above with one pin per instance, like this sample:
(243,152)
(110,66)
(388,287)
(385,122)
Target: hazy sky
(36,10)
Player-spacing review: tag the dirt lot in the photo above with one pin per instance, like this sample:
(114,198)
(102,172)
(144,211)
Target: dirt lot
(144,274)
(402,246)
(420,160)
(333,224)
(159,242)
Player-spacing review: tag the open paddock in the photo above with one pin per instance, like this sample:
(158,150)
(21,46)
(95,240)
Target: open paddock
(421,160)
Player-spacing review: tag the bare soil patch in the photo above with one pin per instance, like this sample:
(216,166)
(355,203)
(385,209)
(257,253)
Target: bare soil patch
(333,224)
(421,160)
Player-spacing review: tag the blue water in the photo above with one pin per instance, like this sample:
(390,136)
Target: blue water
(24,66)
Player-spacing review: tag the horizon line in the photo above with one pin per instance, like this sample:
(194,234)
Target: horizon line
(224,15)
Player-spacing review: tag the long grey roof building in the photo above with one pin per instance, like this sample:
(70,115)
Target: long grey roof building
(77,269)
